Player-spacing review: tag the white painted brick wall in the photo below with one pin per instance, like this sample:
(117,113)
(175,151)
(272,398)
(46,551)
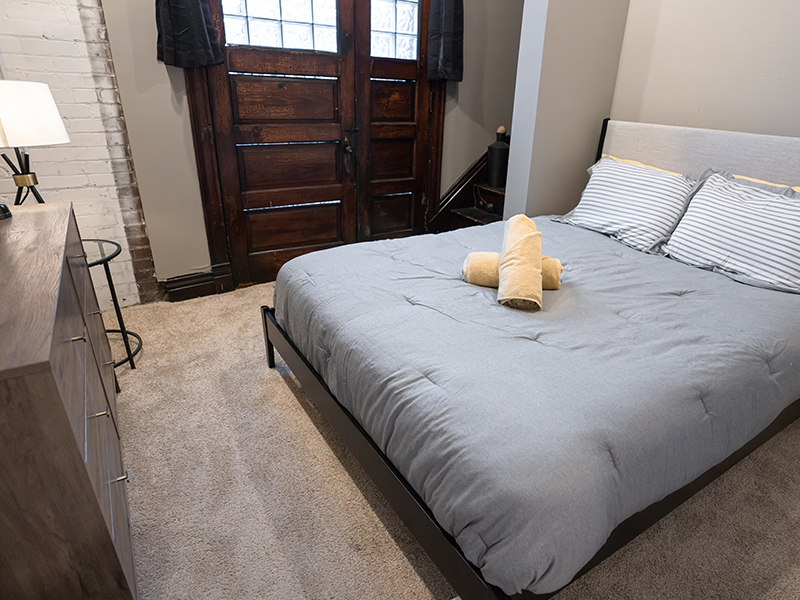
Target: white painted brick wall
(64,44)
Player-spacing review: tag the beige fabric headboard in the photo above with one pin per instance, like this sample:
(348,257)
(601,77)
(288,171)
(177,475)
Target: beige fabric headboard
(692,150)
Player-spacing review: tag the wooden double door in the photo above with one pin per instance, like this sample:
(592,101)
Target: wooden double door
(316,149)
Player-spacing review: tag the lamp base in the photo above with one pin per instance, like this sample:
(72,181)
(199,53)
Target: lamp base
(4,212)
(23,177)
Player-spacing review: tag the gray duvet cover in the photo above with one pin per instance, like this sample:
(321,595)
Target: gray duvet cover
(531,435)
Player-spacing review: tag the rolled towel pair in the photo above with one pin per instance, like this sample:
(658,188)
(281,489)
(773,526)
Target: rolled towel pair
(518,268)
(482,268)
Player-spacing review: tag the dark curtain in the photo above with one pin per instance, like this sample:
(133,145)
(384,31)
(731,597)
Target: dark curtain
(186,36)
(446,40)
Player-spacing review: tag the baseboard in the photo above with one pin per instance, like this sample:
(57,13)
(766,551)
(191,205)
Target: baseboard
(195,285)
(223,277)
(185,287)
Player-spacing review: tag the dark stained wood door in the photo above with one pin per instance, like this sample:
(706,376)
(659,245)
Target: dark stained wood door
(282,121)
(393,123)
(317,149)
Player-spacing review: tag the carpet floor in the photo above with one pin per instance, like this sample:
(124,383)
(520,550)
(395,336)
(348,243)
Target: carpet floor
(239,490)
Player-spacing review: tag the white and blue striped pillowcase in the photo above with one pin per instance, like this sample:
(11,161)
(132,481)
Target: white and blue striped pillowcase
(635,204)
(742,230)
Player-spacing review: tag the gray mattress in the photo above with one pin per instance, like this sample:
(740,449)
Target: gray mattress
(531,435)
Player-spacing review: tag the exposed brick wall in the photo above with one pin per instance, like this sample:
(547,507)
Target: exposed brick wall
(64,44)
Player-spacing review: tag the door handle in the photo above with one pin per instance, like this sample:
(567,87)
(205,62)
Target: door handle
(347,152)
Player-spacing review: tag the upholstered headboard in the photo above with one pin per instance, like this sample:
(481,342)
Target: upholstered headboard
(691,150)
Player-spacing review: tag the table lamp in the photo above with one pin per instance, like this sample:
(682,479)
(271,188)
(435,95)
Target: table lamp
(28,117)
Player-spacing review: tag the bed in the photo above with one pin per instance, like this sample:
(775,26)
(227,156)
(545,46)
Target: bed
(521,448)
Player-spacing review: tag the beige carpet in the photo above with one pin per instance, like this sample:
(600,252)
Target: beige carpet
(235,493)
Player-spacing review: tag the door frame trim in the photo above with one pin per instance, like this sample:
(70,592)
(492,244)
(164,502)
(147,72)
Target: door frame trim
(205,152)
(435,147)
(202,124)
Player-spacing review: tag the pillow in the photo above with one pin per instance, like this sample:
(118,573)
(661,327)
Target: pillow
(767,183)
(636,204)
(747,230)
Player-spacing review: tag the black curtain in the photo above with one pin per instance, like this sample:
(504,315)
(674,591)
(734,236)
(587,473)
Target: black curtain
(446,40)
(186,36)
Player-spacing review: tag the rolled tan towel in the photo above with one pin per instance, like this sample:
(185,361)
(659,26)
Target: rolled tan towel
(551,273)
(481,268)
(520,266)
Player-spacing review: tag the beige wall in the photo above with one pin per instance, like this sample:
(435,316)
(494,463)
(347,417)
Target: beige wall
(477,106)
(720,64)
(157,115)
(565,85)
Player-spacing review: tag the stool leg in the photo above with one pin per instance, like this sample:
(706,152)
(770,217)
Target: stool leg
(119,315)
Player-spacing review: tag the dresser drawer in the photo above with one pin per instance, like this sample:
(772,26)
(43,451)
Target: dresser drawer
(119,506)
(98,419)
(100,347)
(68,358)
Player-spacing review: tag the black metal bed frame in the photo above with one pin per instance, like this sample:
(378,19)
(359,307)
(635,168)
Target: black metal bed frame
(440,546)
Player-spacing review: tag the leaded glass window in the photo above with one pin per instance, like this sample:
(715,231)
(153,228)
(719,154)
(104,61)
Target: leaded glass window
(395,28)
(295,24)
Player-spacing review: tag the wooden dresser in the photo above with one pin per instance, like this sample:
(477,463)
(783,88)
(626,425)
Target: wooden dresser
(64,530)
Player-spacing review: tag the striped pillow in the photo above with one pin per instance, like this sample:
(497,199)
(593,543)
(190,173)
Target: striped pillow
(748,231)
(634,203)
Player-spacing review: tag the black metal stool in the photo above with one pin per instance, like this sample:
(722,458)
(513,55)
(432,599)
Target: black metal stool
(102,252)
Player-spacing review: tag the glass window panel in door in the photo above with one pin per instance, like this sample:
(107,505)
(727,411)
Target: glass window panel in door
(298,35)
(383,15)
(394,28)
(296,24)
(264,9)
(235,30)
(324,12)
(407,18)
(265,33)
(406,47)
(382,45)
(324,38)
(298,11)
(234,7)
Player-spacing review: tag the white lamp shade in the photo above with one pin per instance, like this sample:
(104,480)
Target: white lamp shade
(29,116)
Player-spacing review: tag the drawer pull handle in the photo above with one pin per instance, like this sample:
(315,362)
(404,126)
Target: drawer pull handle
(123,478)
(108,362)
(105,413)
(96,312)
(79,338)
(80,255)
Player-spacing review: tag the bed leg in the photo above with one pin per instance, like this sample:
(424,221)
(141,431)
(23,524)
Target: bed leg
(270,347)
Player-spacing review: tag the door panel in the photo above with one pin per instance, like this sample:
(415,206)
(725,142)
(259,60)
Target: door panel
(391,213)
(260,99)
(244,59)
(392,100)
(296,227)
(390,159)
(299,132)
(289,164)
